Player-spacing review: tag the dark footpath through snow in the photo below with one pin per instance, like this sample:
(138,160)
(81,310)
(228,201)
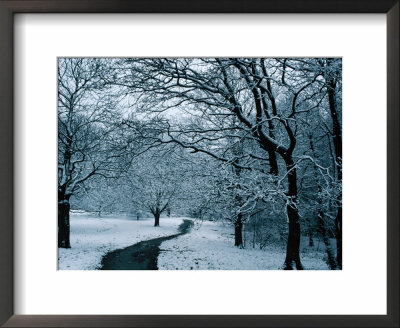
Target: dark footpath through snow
(141,256)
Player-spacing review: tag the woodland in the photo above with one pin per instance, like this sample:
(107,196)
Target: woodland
(252,142)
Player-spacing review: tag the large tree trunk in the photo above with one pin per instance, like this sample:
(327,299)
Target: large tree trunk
(273,161)
(293,243)
(238,230)
(63,223)
(157,218)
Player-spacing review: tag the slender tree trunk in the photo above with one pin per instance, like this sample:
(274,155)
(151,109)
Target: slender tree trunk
(238,230)
(310,237)
(293,243)
(63,223)
(337,142)
(321,222)
(157,218)
(338,225)
(254,235)
(329,252)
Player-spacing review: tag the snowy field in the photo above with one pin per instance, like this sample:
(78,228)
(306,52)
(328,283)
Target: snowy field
(92,237)
(209,246)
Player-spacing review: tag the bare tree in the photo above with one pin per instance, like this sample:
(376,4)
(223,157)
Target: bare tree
(270,127)
(156,182)
(88,142)
(267,98)
(332,75)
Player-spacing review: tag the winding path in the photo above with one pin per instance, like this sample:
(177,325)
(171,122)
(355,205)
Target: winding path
(141,256)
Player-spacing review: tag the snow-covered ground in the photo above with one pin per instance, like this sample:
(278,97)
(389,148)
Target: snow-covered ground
(209,246)
(92,237)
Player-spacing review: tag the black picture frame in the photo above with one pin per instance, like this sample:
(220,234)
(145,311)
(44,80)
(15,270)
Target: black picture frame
(7,10)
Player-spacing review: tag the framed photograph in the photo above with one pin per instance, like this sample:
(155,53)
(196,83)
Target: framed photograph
(207,153)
